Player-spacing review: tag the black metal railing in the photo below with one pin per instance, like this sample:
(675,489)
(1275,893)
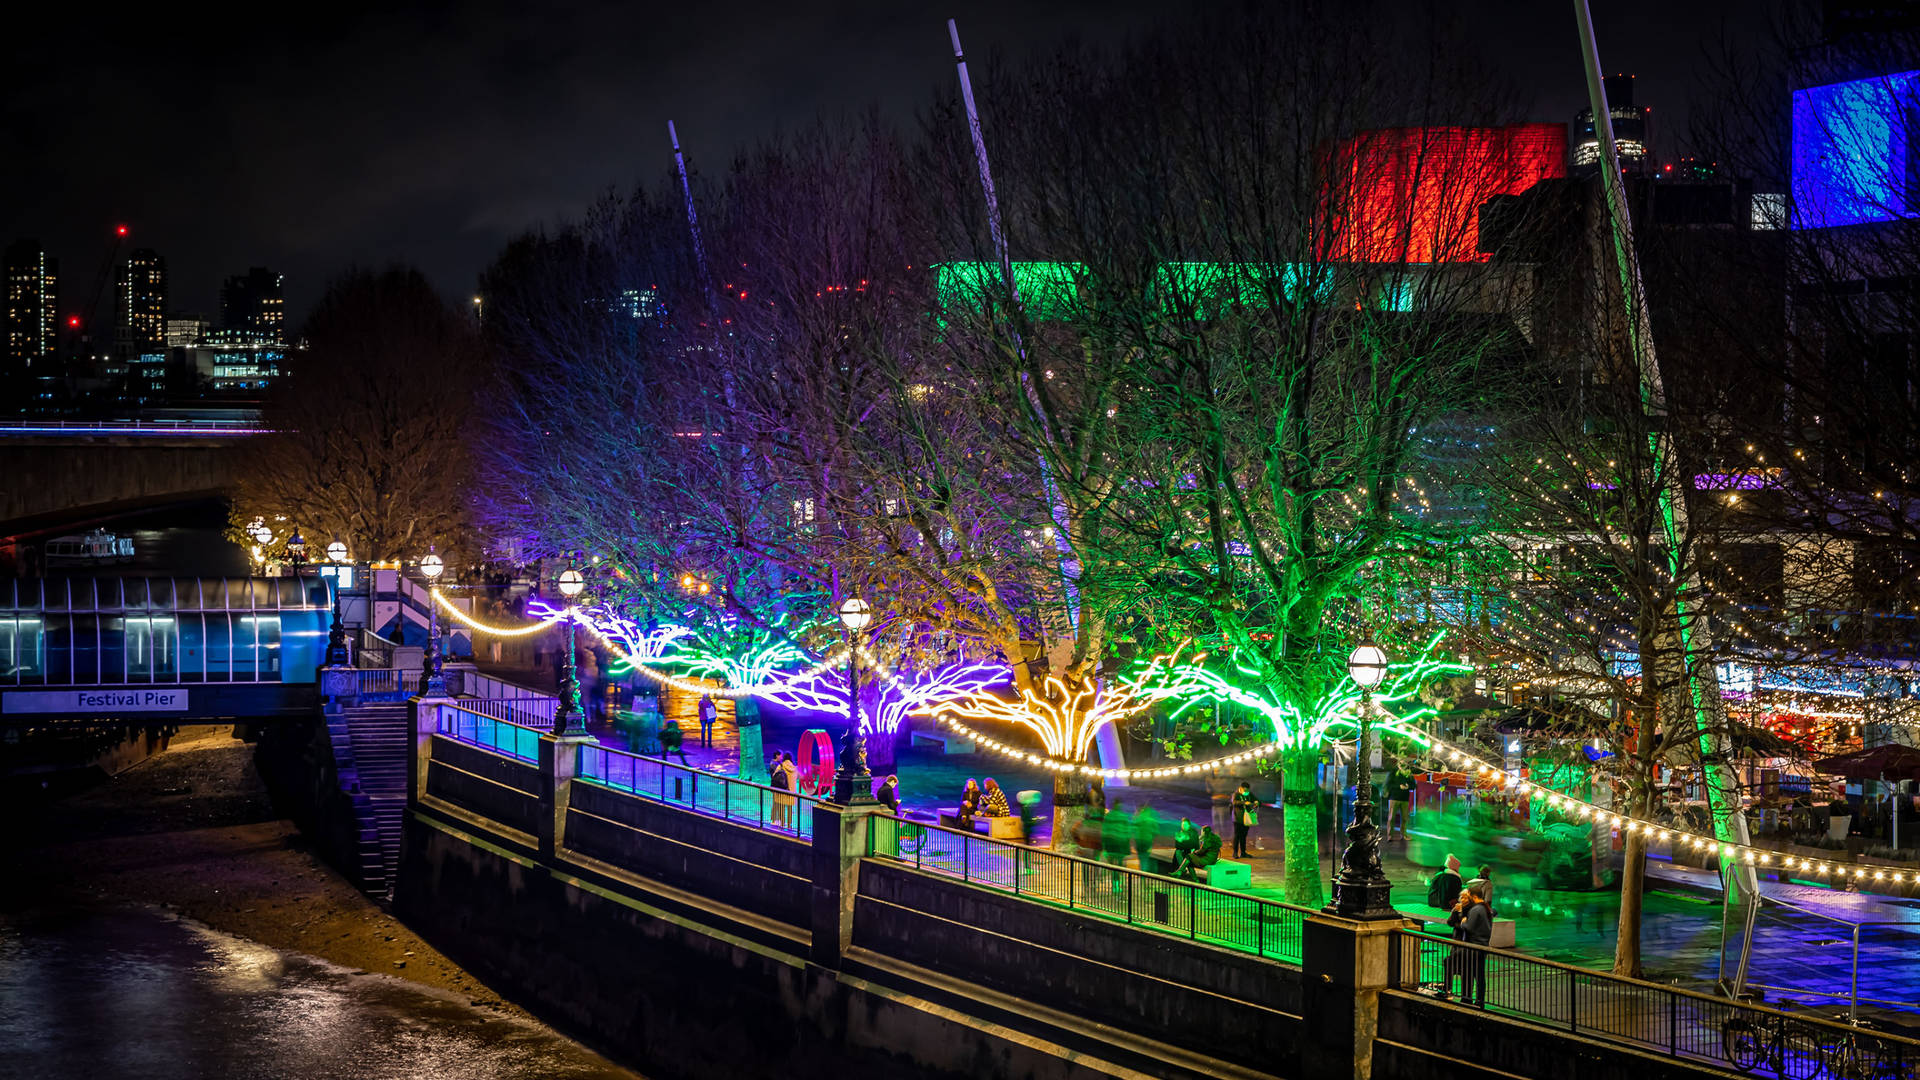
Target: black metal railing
(1151,901)
(739,801)
(1666,1019)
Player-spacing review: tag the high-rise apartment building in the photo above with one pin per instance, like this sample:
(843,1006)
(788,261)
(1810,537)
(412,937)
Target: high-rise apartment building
(140,303)
(1632,136)
(32,293)
(255,303)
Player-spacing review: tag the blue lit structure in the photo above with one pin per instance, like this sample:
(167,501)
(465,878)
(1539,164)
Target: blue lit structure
(1852,149)
(112,631)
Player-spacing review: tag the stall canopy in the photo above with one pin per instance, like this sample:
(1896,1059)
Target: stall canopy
(1890,762)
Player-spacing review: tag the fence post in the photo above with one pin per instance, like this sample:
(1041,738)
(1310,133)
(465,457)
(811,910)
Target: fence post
(559,765)
(1344,963)
(841,836)
(426,721)
(1573,1002)
(1673,1024)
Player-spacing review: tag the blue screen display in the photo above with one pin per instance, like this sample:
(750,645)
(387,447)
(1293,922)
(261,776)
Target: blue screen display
(1853,152)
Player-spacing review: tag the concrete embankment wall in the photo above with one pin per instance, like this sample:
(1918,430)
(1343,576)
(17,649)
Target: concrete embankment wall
(691,946)
(685,945)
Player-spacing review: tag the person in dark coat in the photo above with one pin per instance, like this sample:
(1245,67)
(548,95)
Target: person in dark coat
(670,739)
(1472,922)
(1246,814)
(709,712)
(1185,839)
(889,794)
(1444,887)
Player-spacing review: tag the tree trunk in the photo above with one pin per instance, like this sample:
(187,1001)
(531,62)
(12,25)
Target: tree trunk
(1301,819)
(1633,883)
(1071,795)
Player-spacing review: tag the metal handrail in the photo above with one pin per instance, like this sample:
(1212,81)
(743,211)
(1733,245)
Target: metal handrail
(517,741)
(793,815)
(1103,888)
(1673,1019)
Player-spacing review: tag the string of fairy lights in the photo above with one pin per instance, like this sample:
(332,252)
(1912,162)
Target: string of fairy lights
(1461,759)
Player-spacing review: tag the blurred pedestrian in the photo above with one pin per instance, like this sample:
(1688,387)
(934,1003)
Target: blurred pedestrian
(1399,800)
(1146,832)
(1115,841)
(670,740)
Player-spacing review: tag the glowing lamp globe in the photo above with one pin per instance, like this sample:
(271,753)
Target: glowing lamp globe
(431,566)
(296,544)
(855,613)
(336,552)
(572,584)
(1367,666)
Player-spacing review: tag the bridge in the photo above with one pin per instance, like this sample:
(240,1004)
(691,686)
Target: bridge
(59,474)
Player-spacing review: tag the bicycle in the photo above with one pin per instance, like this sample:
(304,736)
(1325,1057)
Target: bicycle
(1796,1051)
(1790,1051)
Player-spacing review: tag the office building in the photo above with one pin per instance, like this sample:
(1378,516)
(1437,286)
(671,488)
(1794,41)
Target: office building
(32,296)
(254,302)
(1632,131)
(140,303)
(184,330)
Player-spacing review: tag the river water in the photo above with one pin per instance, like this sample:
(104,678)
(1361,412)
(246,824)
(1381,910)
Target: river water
(100,993)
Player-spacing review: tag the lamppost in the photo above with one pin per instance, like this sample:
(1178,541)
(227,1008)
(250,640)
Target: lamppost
(436,684)
(566,716)
(297,552)
(1362,890)
(337,654)
(852,784)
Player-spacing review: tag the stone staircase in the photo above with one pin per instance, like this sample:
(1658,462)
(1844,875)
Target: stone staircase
(371,751)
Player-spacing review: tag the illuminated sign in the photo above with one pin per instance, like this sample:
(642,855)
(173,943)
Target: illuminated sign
(99,702)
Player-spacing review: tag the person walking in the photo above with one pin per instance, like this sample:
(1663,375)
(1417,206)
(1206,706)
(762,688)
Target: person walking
(1472,922)
(1146,832)
(1444,887)
(1115,841)
(708,713)
(1246,814)
(670,740)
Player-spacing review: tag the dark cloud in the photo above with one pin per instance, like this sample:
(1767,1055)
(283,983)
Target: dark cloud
(308,137)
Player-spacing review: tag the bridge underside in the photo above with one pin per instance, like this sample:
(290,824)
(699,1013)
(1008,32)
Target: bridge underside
(71,480)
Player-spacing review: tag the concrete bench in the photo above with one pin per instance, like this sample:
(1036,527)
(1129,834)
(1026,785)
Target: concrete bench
(997,828)
(1224,874)
(949,742)
(1504,930)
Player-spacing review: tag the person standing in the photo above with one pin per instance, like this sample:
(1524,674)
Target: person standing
(1246,814)
(1472,922)
(1444,887)
(782,781)
(1399,800)
(708,713)
(1484,886)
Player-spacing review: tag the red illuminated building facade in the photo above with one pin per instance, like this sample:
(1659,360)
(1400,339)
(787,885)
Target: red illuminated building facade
(1414,194)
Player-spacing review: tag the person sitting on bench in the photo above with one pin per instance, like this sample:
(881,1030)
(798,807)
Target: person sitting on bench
(969,805)
(1205,854)
(993,801)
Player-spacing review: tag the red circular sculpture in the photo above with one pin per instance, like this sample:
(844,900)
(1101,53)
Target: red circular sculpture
(815,761)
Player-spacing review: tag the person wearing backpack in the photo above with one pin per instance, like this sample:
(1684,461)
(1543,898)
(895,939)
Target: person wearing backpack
(1444,887)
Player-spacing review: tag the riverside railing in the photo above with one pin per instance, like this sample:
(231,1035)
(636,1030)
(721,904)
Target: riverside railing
(1152,901)
(755,805)
(1666,1019)
(525,711)
(476,728)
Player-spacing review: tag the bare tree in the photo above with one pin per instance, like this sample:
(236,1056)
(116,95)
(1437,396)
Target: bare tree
(371,423)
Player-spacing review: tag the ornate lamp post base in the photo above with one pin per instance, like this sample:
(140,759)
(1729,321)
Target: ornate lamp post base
(1362,890)
(853,784)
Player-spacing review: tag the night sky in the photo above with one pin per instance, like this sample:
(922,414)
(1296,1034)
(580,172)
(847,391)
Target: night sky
(308,137)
